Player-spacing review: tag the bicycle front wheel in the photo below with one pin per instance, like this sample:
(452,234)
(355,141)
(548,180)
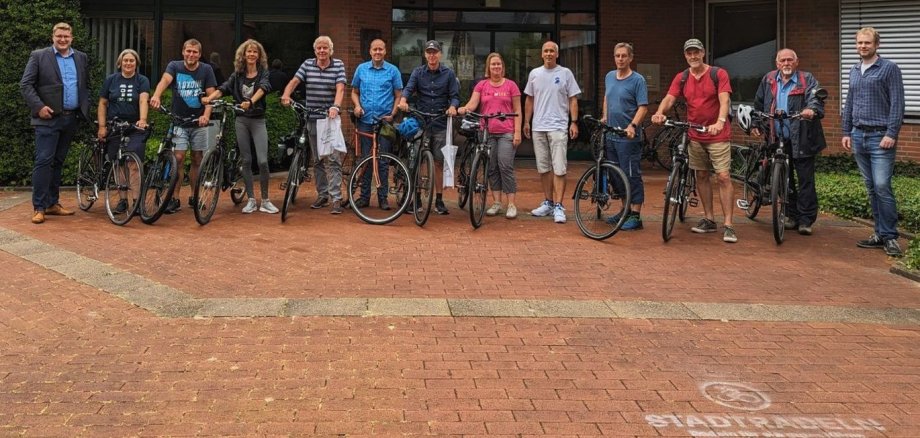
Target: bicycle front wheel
(779,199)
(159,185)
(87,178)
(602,199)
(664,146)
(207,188)
(123,188)
(478,188)
(672,200)
(424,188)
(295,177)
(391,183)
(687,189)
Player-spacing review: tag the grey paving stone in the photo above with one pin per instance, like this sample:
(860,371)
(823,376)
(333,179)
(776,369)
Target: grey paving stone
(81,268)
(26,246)
(477,307)
(9,236)
(327,307)
(51,259)
(571,309)
(732,312)
(408,307)
(650,310)
(242,307)
(116,281)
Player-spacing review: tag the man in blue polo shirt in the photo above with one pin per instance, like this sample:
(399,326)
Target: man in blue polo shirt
(872,119)
(437,90)
(376,88)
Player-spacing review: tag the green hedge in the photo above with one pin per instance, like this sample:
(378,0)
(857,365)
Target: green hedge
(845,163)
(844,194)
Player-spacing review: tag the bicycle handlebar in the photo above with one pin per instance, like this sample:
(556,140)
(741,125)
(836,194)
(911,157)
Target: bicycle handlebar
(778,115)
(499,116)
(429,117)
(684,125)
(595,123)
(306,110)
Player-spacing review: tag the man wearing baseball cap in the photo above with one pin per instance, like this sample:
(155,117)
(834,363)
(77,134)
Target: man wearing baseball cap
(708,94)
(437,90)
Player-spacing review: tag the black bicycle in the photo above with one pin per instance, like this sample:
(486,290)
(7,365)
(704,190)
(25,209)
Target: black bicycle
(221,169)
(161,175)
(118,178)
(463,163)
(303,154)
(602,194)
(680,191)
(477,184)
(420,159)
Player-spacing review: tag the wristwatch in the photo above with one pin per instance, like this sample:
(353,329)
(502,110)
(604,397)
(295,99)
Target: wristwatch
(722,119)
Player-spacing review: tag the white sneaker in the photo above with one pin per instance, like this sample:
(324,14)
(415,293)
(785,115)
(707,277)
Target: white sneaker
(267,207)
(543,210)
(559,214)
(250,206)
(512,212)
(494,209)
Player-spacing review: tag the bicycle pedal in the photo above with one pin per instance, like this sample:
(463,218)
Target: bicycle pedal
(283,185)
(742,204)
(694,202)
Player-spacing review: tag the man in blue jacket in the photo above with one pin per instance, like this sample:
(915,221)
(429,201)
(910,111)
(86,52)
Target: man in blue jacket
(791,90)
(54,88)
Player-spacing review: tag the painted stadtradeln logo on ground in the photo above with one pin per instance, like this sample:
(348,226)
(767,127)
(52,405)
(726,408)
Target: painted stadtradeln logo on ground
(743,397)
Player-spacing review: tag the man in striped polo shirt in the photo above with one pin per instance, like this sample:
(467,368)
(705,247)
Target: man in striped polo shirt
(324,85)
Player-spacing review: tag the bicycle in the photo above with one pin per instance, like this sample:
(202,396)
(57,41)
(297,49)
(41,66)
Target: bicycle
(660,149)
(420,160)
(221,169)
(161,175)
(478,181)
(680,191)
(751,169)
(373,171)
(602,195)
(463,164)
(120,179)
(303,154)
(782,181)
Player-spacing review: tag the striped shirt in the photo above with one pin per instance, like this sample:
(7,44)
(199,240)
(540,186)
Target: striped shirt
(319,83)
(875,98)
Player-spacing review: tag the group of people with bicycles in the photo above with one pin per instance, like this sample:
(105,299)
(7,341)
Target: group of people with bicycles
(54,86)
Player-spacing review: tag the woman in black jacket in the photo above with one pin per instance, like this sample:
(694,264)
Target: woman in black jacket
(249,85)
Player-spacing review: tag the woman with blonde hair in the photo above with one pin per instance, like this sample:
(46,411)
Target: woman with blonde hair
(495,94)
(249,85)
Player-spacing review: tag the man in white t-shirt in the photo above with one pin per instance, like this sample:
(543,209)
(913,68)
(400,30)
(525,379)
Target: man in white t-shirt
(552,103)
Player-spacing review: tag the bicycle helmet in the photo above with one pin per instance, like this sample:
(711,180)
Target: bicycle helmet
(409,128)
(745,120)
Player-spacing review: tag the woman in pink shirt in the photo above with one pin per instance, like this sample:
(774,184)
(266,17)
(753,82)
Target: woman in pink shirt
(492,95)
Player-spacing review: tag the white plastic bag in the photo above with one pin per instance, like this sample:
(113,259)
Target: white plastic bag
(329,136)
(450,154)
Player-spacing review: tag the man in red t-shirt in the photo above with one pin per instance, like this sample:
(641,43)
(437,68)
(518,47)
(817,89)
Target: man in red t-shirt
(710,150)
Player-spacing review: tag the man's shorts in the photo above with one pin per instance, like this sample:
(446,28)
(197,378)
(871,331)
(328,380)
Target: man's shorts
(438,140)
(550,150)
(711,156)
(197,137)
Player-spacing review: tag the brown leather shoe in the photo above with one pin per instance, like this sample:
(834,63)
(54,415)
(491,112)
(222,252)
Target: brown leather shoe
(38,217)
(58,210)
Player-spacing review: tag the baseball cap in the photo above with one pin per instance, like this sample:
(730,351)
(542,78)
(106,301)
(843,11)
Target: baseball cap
(693,43)
(433,45)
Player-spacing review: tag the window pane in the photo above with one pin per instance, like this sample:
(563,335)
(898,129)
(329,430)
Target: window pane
(407,49)
(216,37)
(410,16)
(579,18)
(292,43)
(745,48)
(529,5)
(113,35)
(576,52)
(465,53)
(476,17)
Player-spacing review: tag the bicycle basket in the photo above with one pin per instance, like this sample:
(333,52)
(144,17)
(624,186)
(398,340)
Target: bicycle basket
(409,128)
(469,127)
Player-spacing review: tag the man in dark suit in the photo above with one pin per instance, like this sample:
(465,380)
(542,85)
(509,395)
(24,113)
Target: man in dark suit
(54,87)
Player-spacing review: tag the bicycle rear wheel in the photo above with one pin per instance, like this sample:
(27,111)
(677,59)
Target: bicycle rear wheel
(752,191)
(464,169)
(779,199)
(159,185)
(393,188)
(88,177)
(602,200)
(294,178)
(424,188)
(123,188)
(207,188)
(478,188)
(672,200)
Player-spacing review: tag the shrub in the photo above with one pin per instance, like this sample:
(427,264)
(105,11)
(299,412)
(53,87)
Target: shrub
(845,195)
(912,255)
(845,163)
(26,27)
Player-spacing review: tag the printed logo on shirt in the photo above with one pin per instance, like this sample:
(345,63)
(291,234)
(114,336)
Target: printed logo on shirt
(188,89)
(126,93)
(247,90)
(557,81)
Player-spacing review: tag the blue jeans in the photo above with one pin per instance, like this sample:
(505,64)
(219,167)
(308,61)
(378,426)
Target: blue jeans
(877,166)
(628,156)
(383,145)
(51,146)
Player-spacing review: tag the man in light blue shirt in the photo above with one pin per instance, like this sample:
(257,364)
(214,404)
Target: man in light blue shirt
(376,88)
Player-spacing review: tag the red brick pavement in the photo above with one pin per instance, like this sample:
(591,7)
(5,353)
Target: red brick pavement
(316,254)
(77,362)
